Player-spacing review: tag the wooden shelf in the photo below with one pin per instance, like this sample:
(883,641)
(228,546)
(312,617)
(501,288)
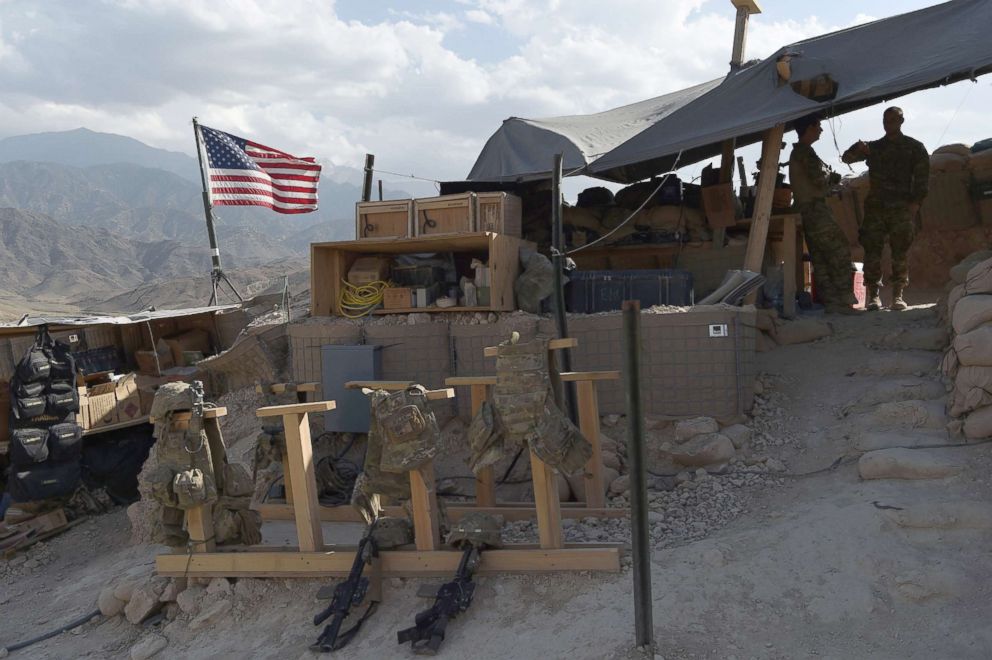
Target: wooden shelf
(330,263)
(119,425)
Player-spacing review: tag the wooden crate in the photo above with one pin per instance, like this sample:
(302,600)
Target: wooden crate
(447,214)
(329,264)
(397,298)
(384,219)
(499,212)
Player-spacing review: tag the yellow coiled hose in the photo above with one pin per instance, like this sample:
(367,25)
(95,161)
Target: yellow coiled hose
(358,300)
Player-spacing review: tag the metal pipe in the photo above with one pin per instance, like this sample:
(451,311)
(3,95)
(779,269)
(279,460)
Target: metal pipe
(558,262)
(367,182)
(639,536)
(207,211)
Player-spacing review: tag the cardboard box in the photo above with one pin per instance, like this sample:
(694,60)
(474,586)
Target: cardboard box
(102,409)
(397,297)
(128,399)
(191,340)
(718,204)
(147,364)
(366,270)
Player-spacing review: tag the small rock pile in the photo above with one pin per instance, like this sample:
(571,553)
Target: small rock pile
(967,364)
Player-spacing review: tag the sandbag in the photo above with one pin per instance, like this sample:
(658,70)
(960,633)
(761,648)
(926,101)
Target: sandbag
(943,163)
(957,149)
(978,424)
(582,218)
(979,278)
(971,312)
(980,163)
(535,284)
(960,271)
(974,348)
(972,390)
(596,196)
(955,295)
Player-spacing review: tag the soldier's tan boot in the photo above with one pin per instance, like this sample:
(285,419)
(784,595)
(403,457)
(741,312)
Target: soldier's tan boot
(898,304)
(873,302)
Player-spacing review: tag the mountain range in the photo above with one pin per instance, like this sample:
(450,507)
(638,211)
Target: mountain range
(86,217)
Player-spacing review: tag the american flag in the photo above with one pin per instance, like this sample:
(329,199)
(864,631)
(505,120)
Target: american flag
(246,173)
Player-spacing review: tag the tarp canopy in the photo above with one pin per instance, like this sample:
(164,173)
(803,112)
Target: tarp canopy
(870,63)
(31,322)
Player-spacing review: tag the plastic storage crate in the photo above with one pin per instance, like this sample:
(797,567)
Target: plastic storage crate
(605,290)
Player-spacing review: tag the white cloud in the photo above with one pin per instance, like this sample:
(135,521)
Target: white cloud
(293,74)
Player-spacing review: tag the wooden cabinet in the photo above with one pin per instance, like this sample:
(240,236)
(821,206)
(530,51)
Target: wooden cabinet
(447,214)
(384,219)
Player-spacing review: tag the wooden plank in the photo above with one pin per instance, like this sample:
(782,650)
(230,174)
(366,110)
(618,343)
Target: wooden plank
(208,413)
(200,526)
(430,310)
(771,149)
(394,563)
(325,297)
(113,427)
(295,409)
(287,485)
(589,426)
(553,345)
(510,511)
(574,376)
(751,5)
(465,242)
(789,256)
(279,388)
(423,501)
(301,474)
(546,502)
(485,479)
(469,381)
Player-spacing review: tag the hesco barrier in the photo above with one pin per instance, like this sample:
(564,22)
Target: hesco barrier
(696,362)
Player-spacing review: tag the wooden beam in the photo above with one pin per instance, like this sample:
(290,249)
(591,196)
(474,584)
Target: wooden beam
(423,501)
(287,485)
(200,527)
(208,413)
(295,409)
(510,511)
(546,502)
(589,426)
(279,388)
(575,376)
(553,345)
(394,563)
(485,479)
(299,451)
(771,149)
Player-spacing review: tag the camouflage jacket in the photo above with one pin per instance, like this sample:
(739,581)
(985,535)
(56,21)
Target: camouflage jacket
(898,169)
(808,175)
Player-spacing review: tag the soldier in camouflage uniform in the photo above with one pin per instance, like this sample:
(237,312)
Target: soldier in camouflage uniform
(898,176)
(828,247)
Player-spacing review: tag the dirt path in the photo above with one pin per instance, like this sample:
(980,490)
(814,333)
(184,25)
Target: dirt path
(827,565)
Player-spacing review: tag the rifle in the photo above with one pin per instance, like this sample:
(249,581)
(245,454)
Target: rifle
(349,593)
(452,598)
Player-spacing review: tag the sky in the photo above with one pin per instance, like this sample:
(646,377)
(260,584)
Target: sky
(420,84)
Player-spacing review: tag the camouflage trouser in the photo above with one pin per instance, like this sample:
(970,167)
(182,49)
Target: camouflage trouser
(830,252)
(881,220)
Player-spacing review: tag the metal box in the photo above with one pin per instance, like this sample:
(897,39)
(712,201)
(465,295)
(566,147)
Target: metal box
(340,364)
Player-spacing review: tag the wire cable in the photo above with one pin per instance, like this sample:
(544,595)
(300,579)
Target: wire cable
(358,300)
(630,217)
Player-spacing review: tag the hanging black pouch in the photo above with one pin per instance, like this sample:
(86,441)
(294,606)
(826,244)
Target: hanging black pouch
(65,442)
(28,446)
(28,407)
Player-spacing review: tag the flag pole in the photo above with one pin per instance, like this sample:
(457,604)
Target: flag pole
(217,274)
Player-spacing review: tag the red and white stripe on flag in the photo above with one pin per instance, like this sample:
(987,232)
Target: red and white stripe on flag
(246,173)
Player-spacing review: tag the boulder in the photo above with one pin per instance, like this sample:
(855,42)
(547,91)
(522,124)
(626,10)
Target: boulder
(703,450)
(109,604)
(144,602)
(211,615)
(690,428)
(739,434)
(905,464)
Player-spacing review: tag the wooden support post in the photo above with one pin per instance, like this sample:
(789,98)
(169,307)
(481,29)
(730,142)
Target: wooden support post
(547,503)
(287,483)
(789,256)
(200,527)
(589,426)
(300,474)
(485,480)
(771,148)
(423,500)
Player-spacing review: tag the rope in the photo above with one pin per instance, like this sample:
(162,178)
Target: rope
(357,301)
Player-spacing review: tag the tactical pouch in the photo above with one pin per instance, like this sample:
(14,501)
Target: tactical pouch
(28,446)
(34,367)
(63,364)
(59,388)
(409,428)
(65,441)
(43,481)
(62,404)
(160,484)
(27,390)
(28,407)
(193,488)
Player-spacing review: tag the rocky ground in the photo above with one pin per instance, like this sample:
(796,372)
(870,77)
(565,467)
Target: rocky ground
(805,531)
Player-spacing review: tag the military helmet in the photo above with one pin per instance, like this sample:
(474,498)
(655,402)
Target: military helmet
(170,397)
(389,532)
(483,530)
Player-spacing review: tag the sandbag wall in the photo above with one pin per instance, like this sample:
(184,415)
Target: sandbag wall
(968,362)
